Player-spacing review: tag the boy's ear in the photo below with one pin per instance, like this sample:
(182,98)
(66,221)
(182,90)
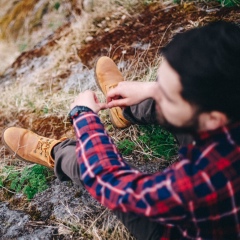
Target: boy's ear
(214,120)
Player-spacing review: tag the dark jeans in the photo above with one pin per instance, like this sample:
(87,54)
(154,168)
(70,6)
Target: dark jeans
(66,168)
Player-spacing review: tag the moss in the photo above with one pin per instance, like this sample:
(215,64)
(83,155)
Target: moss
(29,181)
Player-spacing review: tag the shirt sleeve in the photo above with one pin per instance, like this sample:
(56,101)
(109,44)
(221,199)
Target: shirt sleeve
(116,185)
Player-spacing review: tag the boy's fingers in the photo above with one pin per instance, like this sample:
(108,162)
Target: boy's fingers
(103,106)
(112,94)
(117,103)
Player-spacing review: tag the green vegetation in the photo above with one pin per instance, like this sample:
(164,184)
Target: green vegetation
(229,3)
(29,181)
(154,141)
(126,147)
(158,141)
(224,3)
(57,5)
(22,47)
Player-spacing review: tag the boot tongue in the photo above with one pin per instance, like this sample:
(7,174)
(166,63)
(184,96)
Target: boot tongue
(117,111)
(42,152)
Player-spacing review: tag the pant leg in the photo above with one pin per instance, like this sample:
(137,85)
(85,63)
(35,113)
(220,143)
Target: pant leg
(140,227)
(145,113)
(65,161)
(66,168)
(142,113)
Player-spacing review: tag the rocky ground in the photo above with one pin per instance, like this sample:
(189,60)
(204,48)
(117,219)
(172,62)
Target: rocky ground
(65,211)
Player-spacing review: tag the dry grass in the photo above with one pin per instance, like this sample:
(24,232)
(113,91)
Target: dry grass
(9,52)
(101,225)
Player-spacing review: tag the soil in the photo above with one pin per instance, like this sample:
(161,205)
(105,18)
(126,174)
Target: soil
(151,30)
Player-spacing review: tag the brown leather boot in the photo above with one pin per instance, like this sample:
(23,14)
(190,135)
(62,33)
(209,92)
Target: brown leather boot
(108,76)
(30,147)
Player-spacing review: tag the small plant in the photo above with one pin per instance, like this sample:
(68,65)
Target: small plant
(229,3)
(29,181)
(22,47)
(154,141)
(157,141)
(57,5)
(45,110)
(224,3)
(126,146)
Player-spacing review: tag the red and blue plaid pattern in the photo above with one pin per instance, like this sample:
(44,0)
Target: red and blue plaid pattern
(196,198)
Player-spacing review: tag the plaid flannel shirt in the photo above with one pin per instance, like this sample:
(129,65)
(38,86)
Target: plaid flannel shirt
(196,198)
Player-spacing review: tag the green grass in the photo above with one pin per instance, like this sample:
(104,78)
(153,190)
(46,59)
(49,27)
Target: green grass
(126,147)
(154,141)
(29,181)
(57,5)
(229,3)
(158,141)
(224,3)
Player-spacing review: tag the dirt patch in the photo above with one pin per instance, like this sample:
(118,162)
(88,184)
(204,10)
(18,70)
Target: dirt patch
(152,29)
(138,36)
(141,35)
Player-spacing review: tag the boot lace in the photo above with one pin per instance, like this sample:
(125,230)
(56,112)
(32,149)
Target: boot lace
(43,146)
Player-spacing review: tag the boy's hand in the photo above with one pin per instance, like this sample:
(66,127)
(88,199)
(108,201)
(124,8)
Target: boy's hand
(129,93)
(88,99)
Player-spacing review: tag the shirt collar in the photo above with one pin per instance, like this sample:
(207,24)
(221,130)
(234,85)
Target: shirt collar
(231,132)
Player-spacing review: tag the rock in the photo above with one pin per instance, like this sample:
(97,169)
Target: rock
(62,202)
(15,224)
(88,39)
